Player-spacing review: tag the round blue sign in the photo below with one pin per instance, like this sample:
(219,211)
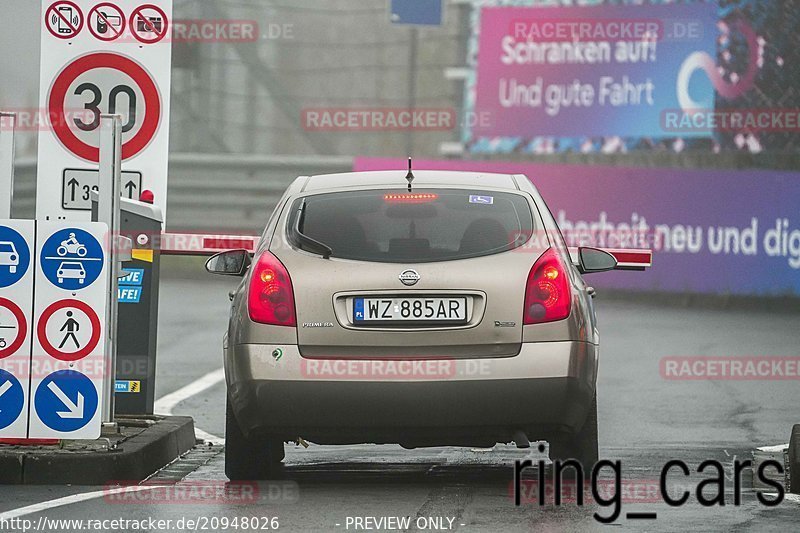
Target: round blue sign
(72,259)
(12,398)
(66,400)
(15,256)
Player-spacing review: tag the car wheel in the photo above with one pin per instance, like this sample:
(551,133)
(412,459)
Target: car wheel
(581,446)
(249,458)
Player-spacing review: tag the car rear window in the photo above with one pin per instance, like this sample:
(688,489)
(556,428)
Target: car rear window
(425,225)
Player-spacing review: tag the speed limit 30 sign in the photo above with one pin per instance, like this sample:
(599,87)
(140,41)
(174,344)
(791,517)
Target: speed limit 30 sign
(118,63)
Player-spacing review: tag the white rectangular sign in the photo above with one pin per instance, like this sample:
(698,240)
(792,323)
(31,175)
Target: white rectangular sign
(69,336)
(17,264)
(103,57)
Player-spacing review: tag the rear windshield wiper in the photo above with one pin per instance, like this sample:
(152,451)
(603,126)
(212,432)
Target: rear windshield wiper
(306,242)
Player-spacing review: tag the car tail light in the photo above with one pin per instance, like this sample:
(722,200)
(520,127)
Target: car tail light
(271,299)
(547,294)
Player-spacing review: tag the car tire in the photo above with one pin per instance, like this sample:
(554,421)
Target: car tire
(249,458)
(581,446)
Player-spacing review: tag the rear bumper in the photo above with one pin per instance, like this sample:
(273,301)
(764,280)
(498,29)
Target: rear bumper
(544,390)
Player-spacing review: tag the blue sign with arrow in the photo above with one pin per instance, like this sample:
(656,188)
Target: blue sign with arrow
(66,401)
(15,256)
(72,259)
(12,398)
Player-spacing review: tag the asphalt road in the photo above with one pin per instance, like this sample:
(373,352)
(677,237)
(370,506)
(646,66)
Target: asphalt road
(645,420)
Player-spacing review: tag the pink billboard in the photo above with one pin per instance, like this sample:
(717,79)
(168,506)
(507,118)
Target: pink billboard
(712,230)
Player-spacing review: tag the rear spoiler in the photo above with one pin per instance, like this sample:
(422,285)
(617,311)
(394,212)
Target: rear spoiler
(627,258)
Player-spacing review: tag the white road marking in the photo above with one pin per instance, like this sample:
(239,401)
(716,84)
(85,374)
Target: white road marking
(163,405)
(69,500)
(166,404)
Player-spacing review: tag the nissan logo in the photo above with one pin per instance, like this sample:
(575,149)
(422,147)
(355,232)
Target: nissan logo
(409,277)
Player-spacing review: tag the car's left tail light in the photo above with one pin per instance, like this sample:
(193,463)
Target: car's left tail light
(547,293)
(271,298)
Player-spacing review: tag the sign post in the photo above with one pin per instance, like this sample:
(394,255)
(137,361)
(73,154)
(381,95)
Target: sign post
(102,57)
(8,123)
(108,212)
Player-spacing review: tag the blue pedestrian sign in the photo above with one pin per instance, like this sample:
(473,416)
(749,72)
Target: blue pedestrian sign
(66,401)
(422,12)
(12,399)
(72,259)
(15,256)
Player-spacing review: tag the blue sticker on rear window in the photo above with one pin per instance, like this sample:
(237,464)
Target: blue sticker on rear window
(478,199)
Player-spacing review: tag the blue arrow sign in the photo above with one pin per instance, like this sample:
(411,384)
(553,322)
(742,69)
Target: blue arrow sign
(12,398)
(66,401)
(72,259)
(15,256)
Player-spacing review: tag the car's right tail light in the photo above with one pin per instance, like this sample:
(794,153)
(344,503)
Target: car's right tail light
(547,293)
(271,299)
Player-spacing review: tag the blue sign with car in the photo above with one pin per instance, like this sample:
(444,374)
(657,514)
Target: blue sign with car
(15,256)
(66,401)
(72,259)
(12,399)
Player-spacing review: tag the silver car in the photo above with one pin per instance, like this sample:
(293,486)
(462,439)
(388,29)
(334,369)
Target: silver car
(426,309)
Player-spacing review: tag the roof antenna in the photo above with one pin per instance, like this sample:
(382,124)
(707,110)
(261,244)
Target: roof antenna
(410,175)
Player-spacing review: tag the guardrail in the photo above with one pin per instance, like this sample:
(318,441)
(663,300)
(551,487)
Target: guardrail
(217,193)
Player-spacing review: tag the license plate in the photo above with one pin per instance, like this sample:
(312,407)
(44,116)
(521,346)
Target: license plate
(430,310)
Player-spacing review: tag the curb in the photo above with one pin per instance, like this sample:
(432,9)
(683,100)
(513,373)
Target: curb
(794,460)
(133,460)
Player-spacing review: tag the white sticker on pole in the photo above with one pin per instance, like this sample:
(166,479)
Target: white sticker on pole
(16,301)
(68,342)
(116,58)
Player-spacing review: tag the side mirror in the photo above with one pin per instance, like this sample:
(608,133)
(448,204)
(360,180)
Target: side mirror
(230,263)
(594,260)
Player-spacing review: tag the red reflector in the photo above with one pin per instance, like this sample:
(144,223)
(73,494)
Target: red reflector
(29,442)
(410,198)
(547,294)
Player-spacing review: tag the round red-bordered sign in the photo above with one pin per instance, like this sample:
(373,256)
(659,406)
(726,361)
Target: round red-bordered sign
(65,27)
(112,33)
(22,328)
(41,330)
(126,65)
(149,26)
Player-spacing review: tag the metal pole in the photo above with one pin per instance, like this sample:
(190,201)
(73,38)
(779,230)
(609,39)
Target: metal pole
(108,211)
(8,122)
(412,86)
